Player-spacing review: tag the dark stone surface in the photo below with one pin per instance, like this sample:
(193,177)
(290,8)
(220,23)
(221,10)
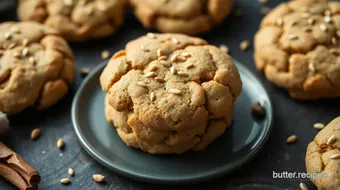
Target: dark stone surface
(291,117)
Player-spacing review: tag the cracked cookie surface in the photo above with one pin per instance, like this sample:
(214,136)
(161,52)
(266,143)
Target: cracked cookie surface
(298,48)
(170,93)
(185,16)
(36,66)
(76,20)
(323,156)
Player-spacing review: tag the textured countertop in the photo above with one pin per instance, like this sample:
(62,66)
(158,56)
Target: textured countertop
(290,117)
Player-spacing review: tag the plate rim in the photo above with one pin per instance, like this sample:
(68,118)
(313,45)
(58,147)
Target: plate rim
(218,172)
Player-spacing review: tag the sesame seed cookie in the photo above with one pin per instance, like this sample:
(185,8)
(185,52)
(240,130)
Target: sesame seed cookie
(323,156)
(76,20)
(185,16)
(170,93)
(298,48)
(36,66)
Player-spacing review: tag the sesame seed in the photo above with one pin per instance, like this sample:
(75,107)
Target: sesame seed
(303,186)
(327,19)
(311,67)
(244,45)
(175,91)
(310,21)
(149,74)
(318,125)
(181,58)
(335,156)
(151,35)
(153,68)
(60,143)
(24,52)
(224,48)
(25,42)
(105,54)
(279,21)
(334,41)
(152,96)
(98,178)
(142,84)
(163,57)
(11,46)
(31,60)
(159,52)
(185,54)
(174,58)
(159,79)
(84,71)
(291,139)
(323,27)
(189,65)
(182,74)
(165,63)
(331,140)
(292,37)
(172,70)
(65,181)
(71,172)
(35,133)
(174,40)
(8,35)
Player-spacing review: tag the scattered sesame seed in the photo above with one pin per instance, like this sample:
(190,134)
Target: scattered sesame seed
(152,96)
(331,140)
(60,143)
(35,133)
(224,48)
(24,52)
(189,65)
(292,37)
(65,181)
(71,172)
(323,27)
(182,74)
(159,79)
(175,91)
(172,70)
(291,139)
(105,54)
(163,57)
(159,53)
(244,45)
(142,84)
(303,186)
(174,40)
(151,35)
(335,156)
(84,71)
(98,178)
(149,74)
(318,125)
(311,67)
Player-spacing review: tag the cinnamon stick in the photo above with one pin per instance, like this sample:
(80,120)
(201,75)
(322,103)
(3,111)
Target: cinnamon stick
(16,170)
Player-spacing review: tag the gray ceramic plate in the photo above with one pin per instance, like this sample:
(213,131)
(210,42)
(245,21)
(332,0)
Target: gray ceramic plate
(236,147)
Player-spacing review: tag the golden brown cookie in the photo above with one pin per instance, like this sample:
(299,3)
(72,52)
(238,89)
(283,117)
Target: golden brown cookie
(170,93)
(36,66)
(323,156)
(185,16)
(76,20)
(298,48)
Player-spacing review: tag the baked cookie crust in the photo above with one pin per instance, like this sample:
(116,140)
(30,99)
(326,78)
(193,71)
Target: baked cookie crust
(36,66)
(186,16)
(76,20)
(323,156)
(170,93)
(298,48)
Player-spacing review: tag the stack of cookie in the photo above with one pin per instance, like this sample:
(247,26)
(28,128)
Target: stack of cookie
(170,93)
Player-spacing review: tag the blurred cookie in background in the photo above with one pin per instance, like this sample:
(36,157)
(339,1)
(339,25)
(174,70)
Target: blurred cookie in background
(185,16)
(76,20)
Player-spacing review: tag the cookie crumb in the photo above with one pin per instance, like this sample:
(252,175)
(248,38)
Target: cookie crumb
(224,48)
(319,126)
(60,143)
(98,178)
(84,72)
(65,181)
(303,186)
(244,45)
(71,172)
(35,133)
(257,109)
(105,54)
(291,139)
(265,10)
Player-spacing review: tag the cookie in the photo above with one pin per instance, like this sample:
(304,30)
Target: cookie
(170,93)
(323,156)
(298,48)
(185,16)
(76,20)
(36,66)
